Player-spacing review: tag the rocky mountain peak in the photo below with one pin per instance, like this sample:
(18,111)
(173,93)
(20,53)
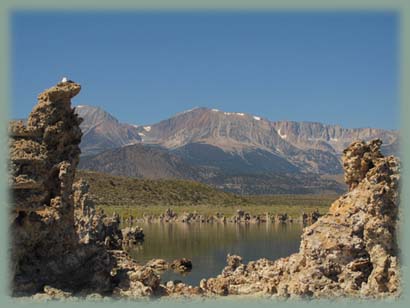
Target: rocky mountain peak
(102,131)
(231,131)
(93,114)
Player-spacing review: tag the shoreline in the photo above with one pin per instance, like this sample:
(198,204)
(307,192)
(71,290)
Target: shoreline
(240,218)
(203,214)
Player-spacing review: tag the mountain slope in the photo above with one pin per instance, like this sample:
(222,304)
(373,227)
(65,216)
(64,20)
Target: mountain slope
(309,146)
(141,162)
(248,161)
(228,174)
(124,191)
(236,133)
(233,151)
(334,138)
(101,131)
(229,131)
(144,195)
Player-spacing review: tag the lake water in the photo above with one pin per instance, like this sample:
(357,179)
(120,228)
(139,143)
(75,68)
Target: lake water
(208,244)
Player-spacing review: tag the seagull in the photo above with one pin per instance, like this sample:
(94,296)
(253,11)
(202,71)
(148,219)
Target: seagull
(64,80)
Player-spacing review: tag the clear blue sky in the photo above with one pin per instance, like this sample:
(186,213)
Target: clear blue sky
(336,68)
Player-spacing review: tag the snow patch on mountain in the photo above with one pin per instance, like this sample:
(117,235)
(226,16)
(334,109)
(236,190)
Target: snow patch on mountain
(187,111)
(234,113)
(282,136)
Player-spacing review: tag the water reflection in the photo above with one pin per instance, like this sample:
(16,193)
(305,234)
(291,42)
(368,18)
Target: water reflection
(208,244)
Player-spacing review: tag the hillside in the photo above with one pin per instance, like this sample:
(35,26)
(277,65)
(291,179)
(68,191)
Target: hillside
(123,191)
(139,161)
(101,131)
(110,192)
(215,169)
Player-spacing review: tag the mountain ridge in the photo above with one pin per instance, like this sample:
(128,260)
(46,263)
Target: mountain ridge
(237,152)
(102,131)
(154,162)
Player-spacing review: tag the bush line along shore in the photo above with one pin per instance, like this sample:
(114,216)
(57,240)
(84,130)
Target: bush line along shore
(139,198)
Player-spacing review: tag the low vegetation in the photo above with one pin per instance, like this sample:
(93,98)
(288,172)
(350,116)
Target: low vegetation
(131,196)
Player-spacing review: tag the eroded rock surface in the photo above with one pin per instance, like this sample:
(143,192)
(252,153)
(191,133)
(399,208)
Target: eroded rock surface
(132,235)
(94,226)
(62,247)
(181,265)
(45,248)
(350,251)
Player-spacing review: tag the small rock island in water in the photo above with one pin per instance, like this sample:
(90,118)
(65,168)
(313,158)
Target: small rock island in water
(62,247)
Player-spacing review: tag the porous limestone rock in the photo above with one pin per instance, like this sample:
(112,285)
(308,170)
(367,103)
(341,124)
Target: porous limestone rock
(179,289)
(59,242)
(134,280)
(45,248)
(157,264)
(93,226)
(132,235)
(181,265)
(350,251)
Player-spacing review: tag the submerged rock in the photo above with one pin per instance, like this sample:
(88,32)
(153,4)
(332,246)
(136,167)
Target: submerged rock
(132,235)
(158,264)
(181,265)
(233,261)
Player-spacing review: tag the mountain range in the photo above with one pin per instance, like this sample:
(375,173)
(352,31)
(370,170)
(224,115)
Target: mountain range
(233,151)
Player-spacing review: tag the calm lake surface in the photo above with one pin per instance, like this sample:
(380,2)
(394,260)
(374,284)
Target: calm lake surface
(208,244)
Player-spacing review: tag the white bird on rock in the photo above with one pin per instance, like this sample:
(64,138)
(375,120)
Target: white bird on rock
(65,79)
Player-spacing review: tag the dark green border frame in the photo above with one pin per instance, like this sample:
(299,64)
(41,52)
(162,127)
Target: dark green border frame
(402,7)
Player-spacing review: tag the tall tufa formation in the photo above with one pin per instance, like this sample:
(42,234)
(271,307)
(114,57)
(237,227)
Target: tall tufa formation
(94,226)
(45,248)
(351,251)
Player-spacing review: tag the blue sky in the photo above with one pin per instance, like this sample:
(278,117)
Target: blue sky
(330,67)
